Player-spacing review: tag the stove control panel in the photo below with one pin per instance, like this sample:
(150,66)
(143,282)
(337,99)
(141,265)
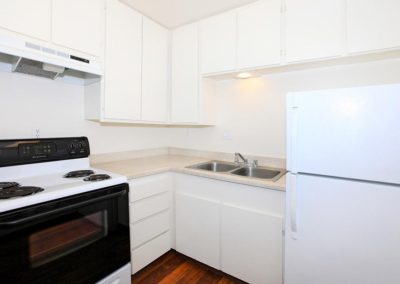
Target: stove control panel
(27,151)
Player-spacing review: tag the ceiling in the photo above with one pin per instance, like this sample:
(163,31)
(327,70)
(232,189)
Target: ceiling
(174,13)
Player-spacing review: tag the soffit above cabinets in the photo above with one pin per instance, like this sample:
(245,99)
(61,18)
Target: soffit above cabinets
(174,13)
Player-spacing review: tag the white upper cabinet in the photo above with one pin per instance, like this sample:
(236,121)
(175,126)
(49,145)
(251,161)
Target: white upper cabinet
(218,43)
(155,72)
(259,34)
(31,18)
(79,25)
(185,75)
(373,25)
(123,63)
(314,29)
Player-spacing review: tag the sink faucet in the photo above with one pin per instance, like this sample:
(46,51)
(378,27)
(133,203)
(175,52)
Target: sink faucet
(239,157)
(245,162)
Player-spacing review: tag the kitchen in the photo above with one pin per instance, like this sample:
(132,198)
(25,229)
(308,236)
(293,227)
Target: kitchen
(148,123)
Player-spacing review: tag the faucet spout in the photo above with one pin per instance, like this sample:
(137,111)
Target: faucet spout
(239,157)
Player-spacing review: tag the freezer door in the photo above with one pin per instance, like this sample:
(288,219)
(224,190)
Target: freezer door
(351,133)
(340,231)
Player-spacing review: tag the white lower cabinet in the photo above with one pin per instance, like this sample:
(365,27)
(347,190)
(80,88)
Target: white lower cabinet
(150,212)
(232,227)
(197,228)
(251,245)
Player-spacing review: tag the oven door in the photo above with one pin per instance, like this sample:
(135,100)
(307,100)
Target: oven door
(77,239)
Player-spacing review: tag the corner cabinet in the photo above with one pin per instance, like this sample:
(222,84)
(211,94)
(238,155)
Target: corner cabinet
(197,228)
(192,97)
(249,37)
(155,72)
(232,227)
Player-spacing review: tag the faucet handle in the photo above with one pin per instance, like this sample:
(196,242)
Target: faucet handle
(255,163)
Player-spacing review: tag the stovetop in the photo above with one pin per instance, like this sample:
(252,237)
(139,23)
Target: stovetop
(55,185)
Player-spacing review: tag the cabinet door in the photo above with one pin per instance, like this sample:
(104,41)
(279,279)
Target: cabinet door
(251,245)
(185,75)
(31,18)
(197,228)
(218,43)
(372,24)
(123,63)
(314,29)
(154,72)
(259,34)
(79,25)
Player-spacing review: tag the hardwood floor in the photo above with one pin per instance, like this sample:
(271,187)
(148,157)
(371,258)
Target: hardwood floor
(174,267)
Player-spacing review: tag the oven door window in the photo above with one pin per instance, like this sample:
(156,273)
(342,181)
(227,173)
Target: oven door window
(54,242)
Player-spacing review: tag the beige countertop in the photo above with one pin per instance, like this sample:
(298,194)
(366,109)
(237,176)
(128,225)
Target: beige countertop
(146,166)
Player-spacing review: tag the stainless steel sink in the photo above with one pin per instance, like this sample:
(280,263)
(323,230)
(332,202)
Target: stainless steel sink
(240,170)
(259,172)
(215,166)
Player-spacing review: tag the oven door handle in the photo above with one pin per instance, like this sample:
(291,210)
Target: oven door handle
(62,209)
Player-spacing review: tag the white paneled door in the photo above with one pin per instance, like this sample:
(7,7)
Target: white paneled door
(31,18)
(123,63)
(218,43)
(197,228)
(373,25)
(314,29)
(259,34)
(155,72)
(79,25)
(185,75)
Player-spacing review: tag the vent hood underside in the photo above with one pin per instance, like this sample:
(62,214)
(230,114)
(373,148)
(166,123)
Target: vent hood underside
(37,68)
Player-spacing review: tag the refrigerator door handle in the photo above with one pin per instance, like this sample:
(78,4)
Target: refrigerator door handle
(293,207)
(292,133)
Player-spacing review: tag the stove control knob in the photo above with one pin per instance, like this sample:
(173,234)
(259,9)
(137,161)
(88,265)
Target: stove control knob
(72,149)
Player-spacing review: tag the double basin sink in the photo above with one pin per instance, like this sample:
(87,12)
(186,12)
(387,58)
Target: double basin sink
(244,171)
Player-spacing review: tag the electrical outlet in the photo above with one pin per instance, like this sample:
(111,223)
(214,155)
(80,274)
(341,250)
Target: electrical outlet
(36,133)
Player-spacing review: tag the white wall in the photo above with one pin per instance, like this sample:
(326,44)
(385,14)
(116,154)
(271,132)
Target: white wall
(251,113)
(57,109)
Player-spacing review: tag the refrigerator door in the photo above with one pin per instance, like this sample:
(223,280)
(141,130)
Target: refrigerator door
(341,231)
(351,133)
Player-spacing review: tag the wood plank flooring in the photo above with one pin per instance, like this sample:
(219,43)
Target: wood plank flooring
(174,267)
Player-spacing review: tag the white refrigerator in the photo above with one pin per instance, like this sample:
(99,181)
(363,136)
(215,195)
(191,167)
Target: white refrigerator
(343,186)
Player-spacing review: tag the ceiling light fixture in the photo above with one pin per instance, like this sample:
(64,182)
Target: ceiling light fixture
(244,75)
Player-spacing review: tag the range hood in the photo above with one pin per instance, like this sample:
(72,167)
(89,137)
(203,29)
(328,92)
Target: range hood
(33,59)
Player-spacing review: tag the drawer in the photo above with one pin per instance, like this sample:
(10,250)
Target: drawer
(149,228)
(149,206)
(150,251)
(149,186)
